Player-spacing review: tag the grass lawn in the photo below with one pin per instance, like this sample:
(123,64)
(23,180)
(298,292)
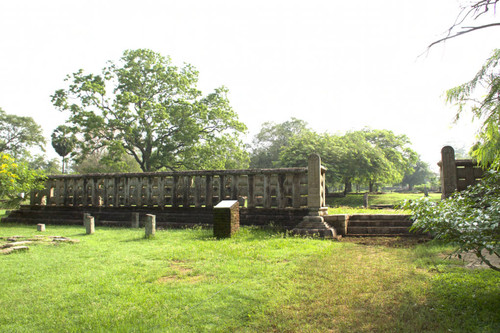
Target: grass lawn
(258,281)
(352,203)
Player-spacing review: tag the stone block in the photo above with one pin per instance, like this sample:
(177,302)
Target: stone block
(40,227)
(226,218)
(150,225)
(89,223)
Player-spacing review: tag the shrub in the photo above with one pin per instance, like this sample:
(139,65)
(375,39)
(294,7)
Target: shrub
(468,219)
(16,179)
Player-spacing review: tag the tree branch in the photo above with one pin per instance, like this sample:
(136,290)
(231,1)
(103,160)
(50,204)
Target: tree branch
(465,31)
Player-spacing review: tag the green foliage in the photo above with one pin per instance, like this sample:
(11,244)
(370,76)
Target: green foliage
(18,134)
(272,139)
(469,219)
(420,174)
(63,142)
(151,110)
(367,156)
(485,109)
(101,161)
(16,180)
(42,164)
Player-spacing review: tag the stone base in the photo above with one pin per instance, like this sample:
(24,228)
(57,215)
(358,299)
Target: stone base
(315,226)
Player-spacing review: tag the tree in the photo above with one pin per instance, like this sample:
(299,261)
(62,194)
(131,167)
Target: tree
(358,156)
(469,219)
(41,164)
(16,179)
(420,174)
(151,110)
(397,159)
(101,161)
(18,134)
(468,13)
(485,109)
(272,139)
(63,142)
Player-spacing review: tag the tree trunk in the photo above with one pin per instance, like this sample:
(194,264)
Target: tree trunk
(347,187)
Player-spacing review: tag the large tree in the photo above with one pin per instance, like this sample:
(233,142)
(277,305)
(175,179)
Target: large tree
(18,134)
(272,139)
(363,157)
(419,174)
(398,157)
(152,110)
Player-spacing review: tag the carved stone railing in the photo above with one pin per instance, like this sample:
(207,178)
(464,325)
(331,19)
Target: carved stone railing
(253,188)
(456,175)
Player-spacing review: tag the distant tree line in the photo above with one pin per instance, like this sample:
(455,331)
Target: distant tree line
(367,157)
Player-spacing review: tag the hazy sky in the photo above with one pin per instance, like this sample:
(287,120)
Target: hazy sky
(339,65)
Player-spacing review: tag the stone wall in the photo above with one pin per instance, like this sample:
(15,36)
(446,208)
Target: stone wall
(456,175)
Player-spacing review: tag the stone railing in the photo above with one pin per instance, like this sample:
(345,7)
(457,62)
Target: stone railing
(253,188)
(456,175)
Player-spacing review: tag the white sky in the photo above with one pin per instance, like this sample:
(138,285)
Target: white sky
(339,65)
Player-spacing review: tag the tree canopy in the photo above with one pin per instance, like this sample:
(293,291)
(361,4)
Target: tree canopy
(151,110)
(272,139)
(63,142)
(18,134)
(366,157)
(485,109)
(17,180)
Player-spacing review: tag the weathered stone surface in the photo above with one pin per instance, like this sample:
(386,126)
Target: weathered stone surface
(226,218)
(40,227)
(150,225)
(89,223)
(15,249)
(15,244)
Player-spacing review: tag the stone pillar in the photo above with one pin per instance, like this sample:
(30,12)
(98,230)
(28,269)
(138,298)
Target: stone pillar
(314,185)
(448,172)
(40,227)
(226,218)
(135,220)
(365,200)
(150,225)
(89,223)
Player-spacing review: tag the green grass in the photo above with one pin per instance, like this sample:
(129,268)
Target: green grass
(258,281)
(353,203)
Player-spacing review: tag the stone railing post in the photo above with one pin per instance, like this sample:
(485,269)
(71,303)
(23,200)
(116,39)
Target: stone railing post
(314,185)
(448,172)
(89,223)
(150,225)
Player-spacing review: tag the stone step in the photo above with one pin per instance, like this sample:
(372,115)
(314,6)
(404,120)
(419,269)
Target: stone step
(378,217)
(380,223)
(377,230)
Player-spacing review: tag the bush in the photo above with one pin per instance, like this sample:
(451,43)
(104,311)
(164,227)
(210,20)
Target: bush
(468,219)
(16,180)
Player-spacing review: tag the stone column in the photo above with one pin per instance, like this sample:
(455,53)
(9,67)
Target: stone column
(89,223)
(448,172)
(314,185)
(150,225)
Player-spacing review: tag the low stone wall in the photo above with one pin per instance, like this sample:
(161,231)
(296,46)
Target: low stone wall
(169,217)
